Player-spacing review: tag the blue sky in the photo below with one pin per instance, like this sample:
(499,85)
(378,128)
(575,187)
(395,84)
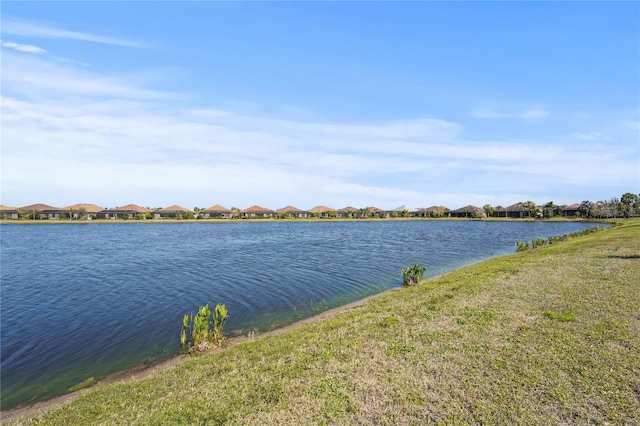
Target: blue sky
(323,103)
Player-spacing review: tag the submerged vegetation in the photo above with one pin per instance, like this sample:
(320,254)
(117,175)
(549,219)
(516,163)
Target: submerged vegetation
(546,336)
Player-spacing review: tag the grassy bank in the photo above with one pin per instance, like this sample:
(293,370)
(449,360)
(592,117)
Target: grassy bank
(546,336)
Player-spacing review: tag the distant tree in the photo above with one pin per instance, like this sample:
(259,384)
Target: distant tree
(125,216)
(405,213)
(586,209)
(629,204)
(63,216)
(550,210)
(189,215)
(82,213)
(72,214)
(235,212)
(148,215)
(488,210)
(139,216)
(614,207)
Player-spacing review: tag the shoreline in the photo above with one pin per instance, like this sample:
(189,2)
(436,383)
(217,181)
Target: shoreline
(143,371)
(274,220)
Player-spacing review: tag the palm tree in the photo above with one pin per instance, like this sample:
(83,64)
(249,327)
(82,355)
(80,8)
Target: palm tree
(531,208)
(586,209)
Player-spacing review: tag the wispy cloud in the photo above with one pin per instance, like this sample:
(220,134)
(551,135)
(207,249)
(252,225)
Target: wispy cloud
(27,48)
(44,77)
(37,30)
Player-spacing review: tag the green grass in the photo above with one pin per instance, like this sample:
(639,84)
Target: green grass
(546,336)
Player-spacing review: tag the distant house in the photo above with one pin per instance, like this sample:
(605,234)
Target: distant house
(172,212)
(572,210)
(375,212)
(468,211)
(8,212)
(216,211)
(348,212)
(398,212)
(40,211)
(129,211)
(433,211)
(323,211)
(516,211)
(291,211)
(78,211)
(419,212)
(256,212)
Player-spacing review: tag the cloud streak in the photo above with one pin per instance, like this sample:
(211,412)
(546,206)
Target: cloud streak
(27,48)
(30,29)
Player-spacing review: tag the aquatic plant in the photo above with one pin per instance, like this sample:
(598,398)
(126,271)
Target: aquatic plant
(412,275)
(200,329)
(205,333)
(183,334)
(84,384)
(219,318)
(538,242)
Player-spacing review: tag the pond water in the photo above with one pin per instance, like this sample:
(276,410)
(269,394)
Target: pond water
(88,300)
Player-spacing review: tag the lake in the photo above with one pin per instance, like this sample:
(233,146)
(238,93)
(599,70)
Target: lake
(88,300)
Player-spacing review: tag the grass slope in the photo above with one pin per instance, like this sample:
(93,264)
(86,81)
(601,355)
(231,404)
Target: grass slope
(547,336)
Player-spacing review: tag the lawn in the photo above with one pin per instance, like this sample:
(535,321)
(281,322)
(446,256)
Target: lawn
(545,336)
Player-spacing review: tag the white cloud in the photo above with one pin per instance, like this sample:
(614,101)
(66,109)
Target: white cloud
(27,48)
(37,30)
(125,148)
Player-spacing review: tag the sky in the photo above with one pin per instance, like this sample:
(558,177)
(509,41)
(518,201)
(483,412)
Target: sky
(319,103)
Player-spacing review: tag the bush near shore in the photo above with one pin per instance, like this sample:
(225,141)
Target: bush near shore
(545,336)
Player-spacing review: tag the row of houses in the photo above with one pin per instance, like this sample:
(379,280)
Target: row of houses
(133,211)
